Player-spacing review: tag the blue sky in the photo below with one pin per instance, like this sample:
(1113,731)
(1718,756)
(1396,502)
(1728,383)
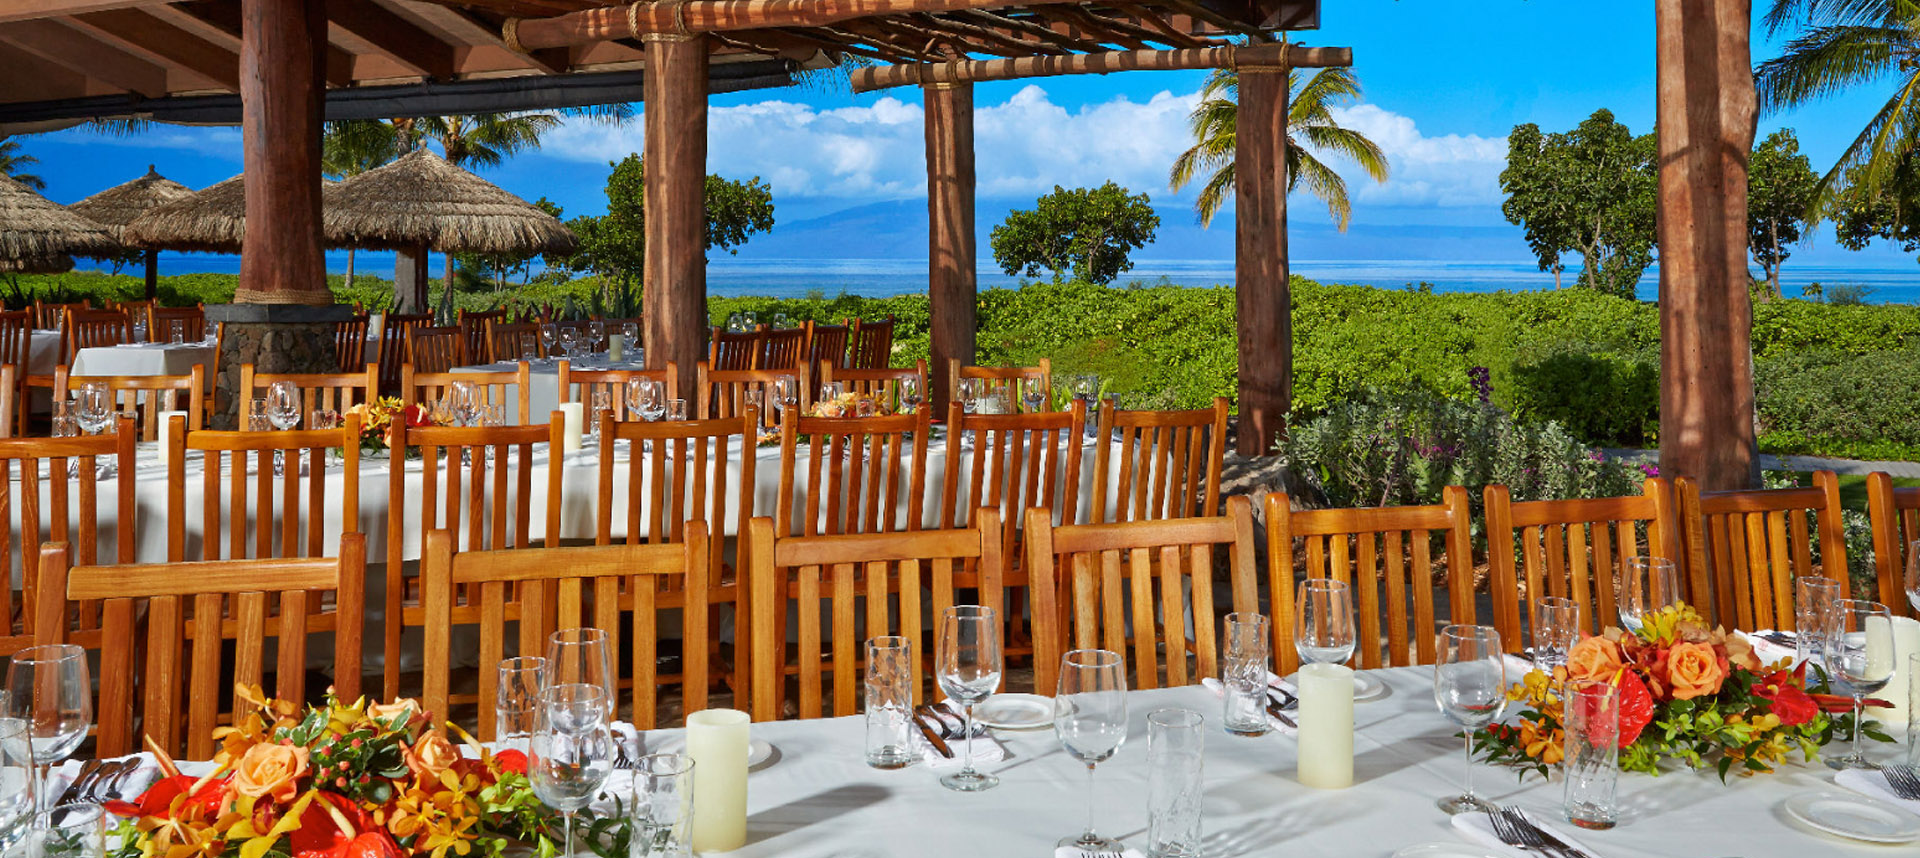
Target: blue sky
(1444,82)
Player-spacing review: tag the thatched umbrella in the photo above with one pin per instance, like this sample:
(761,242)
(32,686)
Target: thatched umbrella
(119,205)
(214,220)
(420,202)
(38,234)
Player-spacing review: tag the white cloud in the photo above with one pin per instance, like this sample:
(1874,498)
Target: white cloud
(213,141)
(1445,171)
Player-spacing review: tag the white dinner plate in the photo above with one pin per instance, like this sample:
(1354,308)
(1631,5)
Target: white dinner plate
(758,750)
(1444,850)
(1854,816)
(1367,687)
(1015,712)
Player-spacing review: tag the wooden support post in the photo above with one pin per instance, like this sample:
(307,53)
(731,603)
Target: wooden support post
(1706,115)
(410,280)
(951,245)
(1262,293)
(676,185)
(152,258)
(282,88)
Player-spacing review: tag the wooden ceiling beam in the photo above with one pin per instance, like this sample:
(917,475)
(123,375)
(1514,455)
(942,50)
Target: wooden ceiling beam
(1038,31)
(832,40)
(474,30)
(28,10)
(864,31)
(398,38)
(1020,46)
(225,18)
(1226,23)
(145,35)
(957,44)
(75,51)
(1155,22)
(1099,29)
(30,77)
(1297,56)
(702,16)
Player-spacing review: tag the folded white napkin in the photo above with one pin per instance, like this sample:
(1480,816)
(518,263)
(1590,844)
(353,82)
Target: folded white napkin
(128,787)
(1873,784)
(986,749)
(1479,829)
(1768,651)
(1077,852)
(1220,690)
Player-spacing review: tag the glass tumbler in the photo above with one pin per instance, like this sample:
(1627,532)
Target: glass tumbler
(889,702)
(76,829)
(1812,596)
(662,816)
(1175,782)
(1244,674)
(1556,624)
(516,705)
(1592,753)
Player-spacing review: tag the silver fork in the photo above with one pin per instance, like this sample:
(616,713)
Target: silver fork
(1510,834)
(1903,781)
(1536,836)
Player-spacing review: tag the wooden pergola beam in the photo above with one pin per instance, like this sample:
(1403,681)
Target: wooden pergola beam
(1274,55)
(147,36)
(81,53)
(834,40)
(703,16)
(400,39)
(1103,30)
(466,27)
(1038,31)
(1169,33)
(24,10)
(988,34)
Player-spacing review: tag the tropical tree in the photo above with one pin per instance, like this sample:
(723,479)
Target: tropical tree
(349,147)
(1591,190)
(13,161)
(1311,129)
(1780,191)
(1087,231)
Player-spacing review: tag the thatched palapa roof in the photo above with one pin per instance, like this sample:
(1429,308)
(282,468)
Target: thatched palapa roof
(119,205)
(420,199)
(36,229)
(59,264)
(214,219)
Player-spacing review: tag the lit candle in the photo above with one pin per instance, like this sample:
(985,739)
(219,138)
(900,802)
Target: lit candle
(576,422)
(616,347)
(717,741)
(1906,642)
(1326,726)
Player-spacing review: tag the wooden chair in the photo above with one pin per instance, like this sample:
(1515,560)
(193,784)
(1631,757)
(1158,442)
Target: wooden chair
(782,349)
(238,487)
(1169,463)
(16,351)
(826,347)
(508,388)
(46,316)
(146,395)
(880,385)
(11,405)
(42,504)
(469,493)
(337,391)
(350,344)
(431,349)
(503,341)
(164,626)
(90,329)
(193,323)
(872,346)
(544,590)
(725,393)
(734,351)
(863,474)
(134,309)
(1003,381)
(892,580)
(1350,545)
(1895,513)
(578,385)
(1575,549)
(475,344)
(395,331)
(1104,577)
(1744,548)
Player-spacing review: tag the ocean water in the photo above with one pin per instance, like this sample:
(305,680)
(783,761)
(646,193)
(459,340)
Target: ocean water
(793,278)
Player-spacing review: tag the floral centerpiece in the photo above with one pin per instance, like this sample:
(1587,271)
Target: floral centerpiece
(378,417)
(343,780)
(1687,692)
(849,405)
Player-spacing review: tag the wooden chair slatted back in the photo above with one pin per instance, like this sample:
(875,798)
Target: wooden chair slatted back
(723,393)
(1011,462)
(475,344)
(784,348)
(826,347)
(10,400)
(843,590)
(435,349)
(862,474)
(396,330)
(16,350)
(677,473)
(1574,549)
(42,502)
(1002,381)
(544,590)
(87,329)
(1895,514)
(579,385)
(147,396)
(1085,577)
(248,511)
(46,316)
(1744,548)
(508,388)
(193,323)
(881,385)
(337,391)
(350,344)
(734,350)
(872,346)
(477,484)
(1169,463)
(503,341)
(1349,545)
(168,683)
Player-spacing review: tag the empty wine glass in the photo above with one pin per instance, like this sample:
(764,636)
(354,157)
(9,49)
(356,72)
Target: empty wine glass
(580,655)
(1323,621)
(597,332)
(968,661)
(93,407)
(647,397)
(1033,392)
(283,405)
(572,751)
(1090,719)
(50,688)
(630,332)
(833,390)
(786,395)
(1470,685)
(569,340)
(549,337)
(910,395)
(1652,583)
(1858,649)
(969,395)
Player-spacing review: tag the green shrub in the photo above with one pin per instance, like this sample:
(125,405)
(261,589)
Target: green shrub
(1601,397)
(1829,396)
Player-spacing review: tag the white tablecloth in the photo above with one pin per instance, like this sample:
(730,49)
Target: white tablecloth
(144,359)
(818,797)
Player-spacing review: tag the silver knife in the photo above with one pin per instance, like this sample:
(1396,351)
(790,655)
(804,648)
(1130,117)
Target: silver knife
(1552,839)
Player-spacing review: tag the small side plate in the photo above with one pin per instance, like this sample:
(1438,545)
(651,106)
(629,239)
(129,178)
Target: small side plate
(759,751)
(1015,712)
(1853,816)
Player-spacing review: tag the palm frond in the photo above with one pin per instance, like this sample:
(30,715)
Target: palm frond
(1214,195)
(1352,145)
(1322,182)
(1828,60)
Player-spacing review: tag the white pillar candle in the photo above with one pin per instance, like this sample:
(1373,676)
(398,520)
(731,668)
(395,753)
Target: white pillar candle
(576,422)
(1906,642)
(1326,726)
(717,740)
(616,347)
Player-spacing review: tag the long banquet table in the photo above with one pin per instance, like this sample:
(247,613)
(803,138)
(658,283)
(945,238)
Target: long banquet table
(818,798)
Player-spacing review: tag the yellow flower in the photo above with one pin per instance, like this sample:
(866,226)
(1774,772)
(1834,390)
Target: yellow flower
(1542,745)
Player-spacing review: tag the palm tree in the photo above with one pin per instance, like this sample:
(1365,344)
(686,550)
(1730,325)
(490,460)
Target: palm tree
(350,147)
(12,161)
(1309,119)
(1848,43)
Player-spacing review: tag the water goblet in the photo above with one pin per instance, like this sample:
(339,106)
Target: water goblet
(283,405)
(910,395)
(1857,648)
(968,662)
(572,751)
(833,390)
(1033,392)
(93,407)
(1556,623)
(50,689)
(647,397)
(1469,684)
(1652,584)
(1090,720)
(579,655)
(1323,621)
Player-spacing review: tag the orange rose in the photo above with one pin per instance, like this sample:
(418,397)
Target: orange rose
(268,769)
(1694,670)
(386,712)
(431,755)
(1594,658)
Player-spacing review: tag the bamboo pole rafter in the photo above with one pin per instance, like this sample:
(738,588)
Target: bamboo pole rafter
(1255,56)
(1039,32)
(701,16)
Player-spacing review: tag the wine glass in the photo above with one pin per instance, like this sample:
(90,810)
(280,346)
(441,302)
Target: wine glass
(630,333)
(597,332)
(1033,391)
(647,397)
(572,751)
(93,406)
(785,395)
(1323,621)
(283,405)
(50,689)
(968,661)
(1913,574)
(1652,583)
(969,395)
(579,655)
(466,402)
(1090,719)
(1469,683)
(16,776)
(833,390)
(569,340)
(910,395)
(549,337)
(1858,650)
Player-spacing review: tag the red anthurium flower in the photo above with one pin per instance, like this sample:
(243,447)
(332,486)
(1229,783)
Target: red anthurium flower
(1636,706)
(320,834)
(1786,700)
(511,760)
(160,796)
